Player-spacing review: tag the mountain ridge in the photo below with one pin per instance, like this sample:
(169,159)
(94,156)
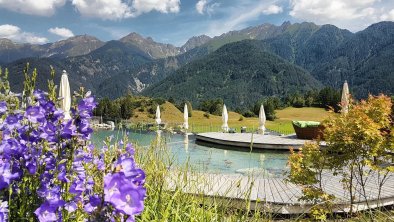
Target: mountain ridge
(240,73)
(134,63)
(74,46)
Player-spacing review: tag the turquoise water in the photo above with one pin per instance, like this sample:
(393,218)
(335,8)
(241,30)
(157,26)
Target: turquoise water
(207,158)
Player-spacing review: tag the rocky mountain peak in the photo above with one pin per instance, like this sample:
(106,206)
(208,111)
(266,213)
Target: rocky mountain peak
(132,38)
(153,49)
(4,41)
(194,42)
(285,24)
(82,38)
(74,46)
(6,44)
(76,40)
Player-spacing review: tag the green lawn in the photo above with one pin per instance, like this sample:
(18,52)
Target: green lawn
(281,124)
(199,123)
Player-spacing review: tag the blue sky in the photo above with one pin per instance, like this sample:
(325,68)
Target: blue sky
(174,21)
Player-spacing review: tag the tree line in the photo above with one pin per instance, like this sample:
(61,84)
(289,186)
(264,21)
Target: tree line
(123,107)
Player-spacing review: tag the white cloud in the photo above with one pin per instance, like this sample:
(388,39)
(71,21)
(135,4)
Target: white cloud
(272,9)
(104,9)
(62,32)
(14,33)
(388,16)
(205,6)
(200,6)
(238,16)
(163,6)
(33,7)
(8,30)
(350,14)
(120,9)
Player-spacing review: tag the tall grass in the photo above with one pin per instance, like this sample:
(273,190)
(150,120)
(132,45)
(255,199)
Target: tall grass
(175,193)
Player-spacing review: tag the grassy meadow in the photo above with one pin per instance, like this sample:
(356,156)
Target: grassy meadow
(200,123)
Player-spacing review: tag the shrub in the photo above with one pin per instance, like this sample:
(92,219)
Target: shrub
(357,147)
(152,109)
(329,97)
(171,100)
(159,101)
(248,114)
(212,106)
(270,104)
(189,109)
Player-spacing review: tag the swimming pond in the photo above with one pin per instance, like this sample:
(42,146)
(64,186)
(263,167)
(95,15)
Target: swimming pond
(207,157)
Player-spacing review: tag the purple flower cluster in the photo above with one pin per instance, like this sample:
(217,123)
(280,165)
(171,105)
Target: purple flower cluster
(38,143)
(3,211)
(124,188)
(3,107)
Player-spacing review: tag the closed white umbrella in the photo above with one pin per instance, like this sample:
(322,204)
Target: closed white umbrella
(345,98)
(185,118)
(65,94)
(158,120)
(225,119)
(262,120)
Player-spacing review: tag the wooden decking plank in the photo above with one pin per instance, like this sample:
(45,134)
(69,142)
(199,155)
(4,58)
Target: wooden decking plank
(279,192)
(295,190)
(266,186)
(333,186)
(287,190)
(272,197)
(372,191)
(283,193)
(387,186)
(276,191)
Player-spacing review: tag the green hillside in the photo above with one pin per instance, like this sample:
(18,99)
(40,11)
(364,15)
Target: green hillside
(240,73)
(333,55)
(365,60)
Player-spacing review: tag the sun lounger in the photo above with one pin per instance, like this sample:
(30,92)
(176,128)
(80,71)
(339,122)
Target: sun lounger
(308,129)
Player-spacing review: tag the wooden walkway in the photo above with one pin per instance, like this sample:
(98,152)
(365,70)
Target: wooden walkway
(277,196)
(258,141)
(274,194)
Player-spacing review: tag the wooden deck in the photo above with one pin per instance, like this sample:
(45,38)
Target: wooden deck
(258,141)
(279,197)
(274,194)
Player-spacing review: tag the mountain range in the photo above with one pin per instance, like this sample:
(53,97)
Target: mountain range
(254,62)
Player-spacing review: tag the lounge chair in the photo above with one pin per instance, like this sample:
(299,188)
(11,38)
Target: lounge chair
(308,130)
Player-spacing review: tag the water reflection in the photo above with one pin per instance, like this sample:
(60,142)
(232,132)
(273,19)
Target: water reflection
(261,160)
(186,143)
(204,157)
